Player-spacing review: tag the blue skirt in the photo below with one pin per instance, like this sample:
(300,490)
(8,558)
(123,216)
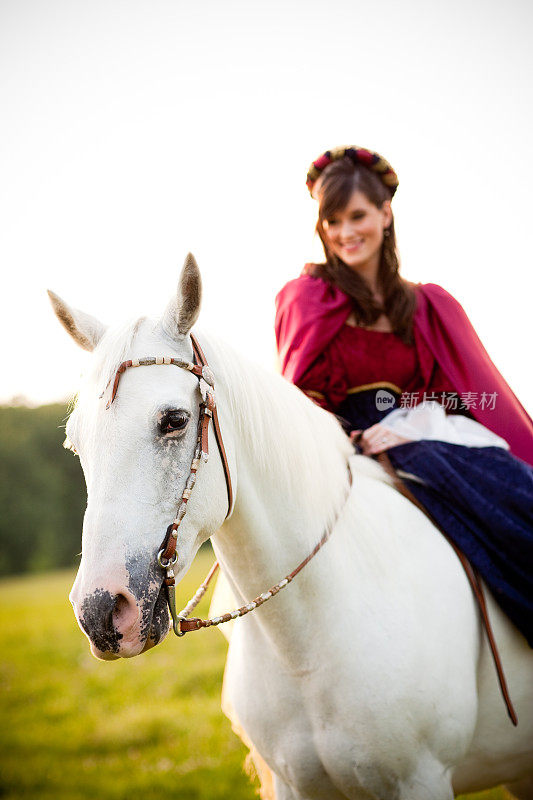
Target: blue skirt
(482,497)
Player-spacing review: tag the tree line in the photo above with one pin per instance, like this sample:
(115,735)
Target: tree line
(42,491)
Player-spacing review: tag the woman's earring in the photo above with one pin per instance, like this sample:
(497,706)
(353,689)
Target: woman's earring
(386,232)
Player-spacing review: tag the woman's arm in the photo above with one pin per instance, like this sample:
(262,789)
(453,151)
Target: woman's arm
(309,315)
(427,421)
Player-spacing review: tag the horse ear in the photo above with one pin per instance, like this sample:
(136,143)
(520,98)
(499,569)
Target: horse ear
(84,329)
(182,311)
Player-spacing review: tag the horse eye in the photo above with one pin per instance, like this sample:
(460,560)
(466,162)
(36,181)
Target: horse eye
(173,422)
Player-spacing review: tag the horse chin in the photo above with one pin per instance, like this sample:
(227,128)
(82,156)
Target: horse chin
(129,650)
(103,655)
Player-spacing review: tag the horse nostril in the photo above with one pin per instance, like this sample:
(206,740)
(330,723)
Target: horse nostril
(124,613)
(95,616)
(120,604)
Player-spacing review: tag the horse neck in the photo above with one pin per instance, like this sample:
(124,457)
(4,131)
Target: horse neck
(292,479)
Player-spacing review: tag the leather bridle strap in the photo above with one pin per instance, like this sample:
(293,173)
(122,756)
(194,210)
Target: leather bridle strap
(471,574)
(167,556)
(201,359)
(188,624)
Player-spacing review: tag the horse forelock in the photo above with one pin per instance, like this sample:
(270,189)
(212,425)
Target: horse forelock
(114,348)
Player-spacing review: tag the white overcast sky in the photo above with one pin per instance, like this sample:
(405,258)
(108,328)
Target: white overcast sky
(135,131)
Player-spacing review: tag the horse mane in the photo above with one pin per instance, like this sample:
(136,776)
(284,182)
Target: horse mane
(284,431)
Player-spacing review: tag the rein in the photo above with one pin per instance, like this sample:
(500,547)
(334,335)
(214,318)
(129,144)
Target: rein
(167,556)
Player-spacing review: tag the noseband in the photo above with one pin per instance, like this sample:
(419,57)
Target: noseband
(167,556)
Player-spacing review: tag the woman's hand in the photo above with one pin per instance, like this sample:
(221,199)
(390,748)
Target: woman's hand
(376,439)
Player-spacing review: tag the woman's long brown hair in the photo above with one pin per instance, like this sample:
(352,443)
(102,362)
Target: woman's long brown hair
(337,183)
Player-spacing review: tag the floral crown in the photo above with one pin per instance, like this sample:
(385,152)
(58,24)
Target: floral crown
(359,155)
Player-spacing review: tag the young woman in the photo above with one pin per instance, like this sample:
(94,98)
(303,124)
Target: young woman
(403,368)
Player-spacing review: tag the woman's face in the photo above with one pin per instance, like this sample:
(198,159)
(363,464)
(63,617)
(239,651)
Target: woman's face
(355,234)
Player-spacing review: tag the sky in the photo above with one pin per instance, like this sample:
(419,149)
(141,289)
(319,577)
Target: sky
(133,132)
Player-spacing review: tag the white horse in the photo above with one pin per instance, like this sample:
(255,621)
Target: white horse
(369,676)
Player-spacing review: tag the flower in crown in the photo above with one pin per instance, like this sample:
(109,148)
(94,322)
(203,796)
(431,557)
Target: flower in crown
(359,155)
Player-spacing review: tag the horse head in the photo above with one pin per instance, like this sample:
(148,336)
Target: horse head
(136,454)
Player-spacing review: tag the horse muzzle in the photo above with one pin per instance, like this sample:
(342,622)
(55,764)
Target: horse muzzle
(119,625)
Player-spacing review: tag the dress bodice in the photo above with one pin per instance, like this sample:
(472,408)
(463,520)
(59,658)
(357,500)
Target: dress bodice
(358,359)
(377,356)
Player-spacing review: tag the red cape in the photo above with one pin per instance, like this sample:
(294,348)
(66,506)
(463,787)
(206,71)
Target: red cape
(310,312)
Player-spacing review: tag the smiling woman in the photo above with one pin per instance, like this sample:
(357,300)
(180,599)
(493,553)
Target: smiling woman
(352,328)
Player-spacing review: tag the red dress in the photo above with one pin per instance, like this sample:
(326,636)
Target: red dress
(358,359)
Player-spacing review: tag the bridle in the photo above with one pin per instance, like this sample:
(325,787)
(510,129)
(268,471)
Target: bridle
(167,556)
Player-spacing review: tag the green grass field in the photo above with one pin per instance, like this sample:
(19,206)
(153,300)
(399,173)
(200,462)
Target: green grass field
(75,728)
